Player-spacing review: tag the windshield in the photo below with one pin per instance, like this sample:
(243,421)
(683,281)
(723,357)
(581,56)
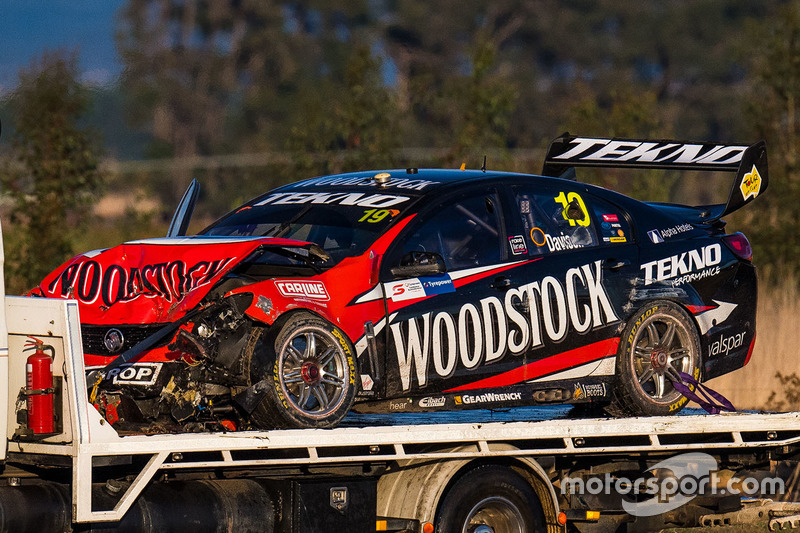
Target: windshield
(341,230)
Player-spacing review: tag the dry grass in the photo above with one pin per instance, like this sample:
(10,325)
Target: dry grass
(776,352)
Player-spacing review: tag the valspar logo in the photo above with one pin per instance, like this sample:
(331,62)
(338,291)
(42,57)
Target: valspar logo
(484,332)
(678,266)
(303,289)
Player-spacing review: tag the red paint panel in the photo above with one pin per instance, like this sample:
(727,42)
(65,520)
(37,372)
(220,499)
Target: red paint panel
(549,365)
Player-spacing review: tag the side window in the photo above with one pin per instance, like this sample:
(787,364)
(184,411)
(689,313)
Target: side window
(554,220)
(466,232)
(613,227)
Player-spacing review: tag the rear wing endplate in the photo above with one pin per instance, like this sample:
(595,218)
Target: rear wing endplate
(748,162)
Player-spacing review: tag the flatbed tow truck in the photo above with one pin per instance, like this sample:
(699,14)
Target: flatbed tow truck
(532,469)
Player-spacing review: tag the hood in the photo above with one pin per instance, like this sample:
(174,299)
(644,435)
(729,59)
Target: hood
(142,282)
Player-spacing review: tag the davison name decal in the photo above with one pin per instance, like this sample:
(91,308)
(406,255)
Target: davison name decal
(484,332)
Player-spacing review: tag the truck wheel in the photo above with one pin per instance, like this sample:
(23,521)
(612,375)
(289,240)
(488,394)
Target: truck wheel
(659,341)
(490,499)
(311,374)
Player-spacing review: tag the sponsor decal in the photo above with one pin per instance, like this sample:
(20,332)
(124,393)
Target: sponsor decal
(685,267)
(489,397)
(517,244)
(484,332)
(138,374)
(724,345)
(89,280)
(366,181)
(538,237)
(589,390)
(617,239)
(630,151)
(751,184)
(431,402)
(525,207)
(655,236)
(610,218)
(401,405)
(314,290)
(359,199)
(410,289)
(367,382)
(658,236)
(560,242)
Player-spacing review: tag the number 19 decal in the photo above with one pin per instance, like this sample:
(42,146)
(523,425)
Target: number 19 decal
(567,200)
(376,215)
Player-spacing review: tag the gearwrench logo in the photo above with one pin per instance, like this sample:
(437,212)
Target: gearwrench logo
(672,483)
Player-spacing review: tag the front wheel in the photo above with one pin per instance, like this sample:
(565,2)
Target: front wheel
(310,374)
(490,499)
(659,342)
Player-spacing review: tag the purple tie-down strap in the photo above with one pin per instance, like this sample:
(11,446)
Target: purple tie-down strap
(709,404)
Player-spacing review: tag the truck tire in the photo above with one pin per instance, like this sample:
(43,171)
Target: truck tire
(490,499)
(659,341)
(310,371)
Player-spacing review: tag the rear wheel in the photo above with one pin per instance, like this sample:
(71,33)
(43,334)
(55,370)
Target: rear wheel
(309,371)
(490,499)
(659,342)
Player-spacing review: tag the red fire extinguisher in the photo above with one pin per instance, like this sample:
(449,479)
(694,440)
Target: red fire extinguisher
(39,383)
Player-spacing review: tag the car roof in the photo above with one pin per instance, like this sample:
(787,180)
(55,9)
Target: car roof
(413,182)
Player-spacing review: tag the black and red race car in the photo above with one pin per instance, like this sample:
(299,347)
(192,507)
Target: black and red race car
(417,290)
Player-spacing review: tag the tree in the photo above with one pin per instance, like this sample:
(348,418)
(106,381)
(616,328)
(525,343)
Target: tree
(53,172)
(776,116)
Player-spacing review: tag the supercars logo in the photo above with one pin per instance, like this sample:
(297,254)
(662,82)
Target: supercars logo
(314,290)
(751,184)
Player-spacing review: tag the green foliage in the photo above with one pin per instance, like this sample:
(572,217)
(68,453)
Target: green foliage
(53,173)
(776,113)
(789,398)
(354,128)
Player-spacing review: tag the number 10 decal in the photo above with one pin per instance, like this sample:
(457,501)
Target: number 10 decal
(566,200)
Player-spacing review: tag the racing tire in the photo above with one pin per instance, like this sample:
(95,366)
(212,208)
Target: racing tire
(490,498)
(310,369)
(659,341)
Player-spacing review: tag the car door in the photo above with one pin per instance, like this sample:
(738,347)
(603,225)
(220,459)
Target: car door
(574,289)
(445,329)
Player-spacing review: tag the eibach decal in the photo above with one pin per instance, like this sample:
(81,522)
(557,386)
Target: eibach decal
(486,331)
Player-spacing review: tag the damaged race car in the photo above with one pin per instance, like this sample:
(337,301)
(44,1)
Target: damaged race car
(418,290)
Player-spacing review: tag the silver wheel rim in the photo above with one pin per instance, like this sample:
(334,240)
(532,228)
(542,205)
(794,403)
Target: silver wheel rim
(313,372)
(662,347)
(494,515)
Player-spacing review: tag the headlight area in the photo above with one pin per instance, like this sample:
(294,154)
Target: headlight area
(201,372)
(215,336)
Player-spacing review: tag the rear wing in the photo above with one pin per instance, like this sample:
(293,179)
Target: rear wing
(748,162)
